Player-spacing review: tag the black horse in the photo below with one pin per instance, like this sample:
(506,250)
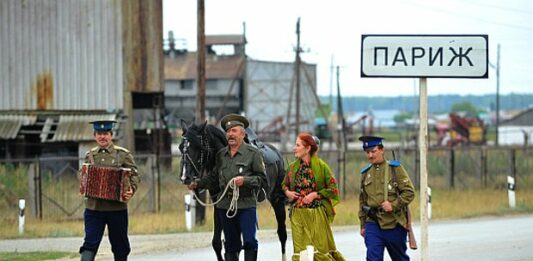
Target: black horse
(199,146)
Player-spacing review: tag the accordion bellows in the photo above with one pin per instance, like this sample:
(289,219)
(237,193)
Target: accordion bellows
(108,183)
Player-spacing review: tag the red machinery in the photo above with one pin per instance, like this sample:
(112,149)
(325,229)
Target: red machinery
(461,131)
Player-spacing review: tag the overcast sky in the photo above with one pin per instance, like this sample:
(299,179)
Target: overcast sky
(331,31)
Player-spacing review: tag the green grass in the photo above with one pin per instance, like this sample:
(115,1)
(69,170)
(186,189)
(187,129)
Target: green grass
(35,256)
(446,204)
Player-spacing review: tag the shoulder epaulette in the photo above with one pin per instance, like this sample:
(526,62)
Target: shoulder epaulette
(394,163)
(121,148)
(93,149)
(365,169)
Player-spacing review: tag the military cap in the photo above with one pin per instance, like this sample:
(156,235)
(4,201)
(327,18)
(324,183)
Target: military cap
(103,125)
(231,120)
(371,141)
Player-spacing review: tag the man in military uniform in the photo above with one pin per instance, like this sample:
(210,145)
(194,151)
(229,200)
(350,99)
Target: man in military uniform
(386,191)
(100,213)
(242,164)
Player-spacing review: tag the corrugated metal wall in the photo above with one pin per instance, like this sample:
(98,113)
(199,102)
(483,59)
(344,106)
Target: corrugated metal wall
(61,55)
(268,93)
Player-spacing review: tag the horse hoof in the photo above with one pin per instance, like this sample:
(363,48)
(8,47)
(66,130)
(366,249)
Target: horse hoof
(284,257)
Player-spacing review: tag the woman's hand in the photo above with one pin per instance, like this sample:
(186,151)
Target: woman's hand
(310,197)
(292,195)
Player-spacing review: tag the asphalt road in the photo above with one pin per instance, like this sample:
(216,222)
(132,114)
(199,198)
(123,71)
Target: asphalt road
(490,238)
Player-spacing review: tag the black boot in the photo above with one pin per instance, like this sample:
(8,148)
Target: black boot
(250,255)
(87,255)
(231,256)
(120,258)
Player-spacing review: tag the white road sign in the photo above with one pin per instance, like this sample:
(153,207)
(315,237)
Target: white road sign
(431,56)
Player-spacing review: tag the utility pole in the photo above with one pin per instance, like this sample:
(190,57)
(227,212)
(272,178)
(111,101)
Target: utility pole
(498,96)
(497,68)
(298,64)
(342,136)
(200,93)
(200,77)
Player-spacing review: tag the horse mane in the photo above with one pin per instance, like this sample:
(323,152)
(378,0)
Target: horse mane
(217,136)
(216,140)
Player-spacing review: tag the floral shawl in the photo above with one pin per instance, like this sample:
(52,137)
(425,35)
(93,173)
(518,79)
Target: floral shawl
(326,185)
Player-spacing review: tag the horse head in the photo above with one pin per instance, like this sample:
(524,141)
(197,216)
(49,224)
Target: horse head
(193,152)
(198,148)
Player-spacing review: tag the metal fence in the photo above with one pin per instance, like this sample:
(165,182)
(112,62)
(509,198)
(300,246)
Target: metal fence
(51,187)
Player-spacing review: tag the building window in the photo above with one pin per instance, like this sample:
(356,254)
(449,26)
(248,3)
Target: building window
(211,84)
(187,85)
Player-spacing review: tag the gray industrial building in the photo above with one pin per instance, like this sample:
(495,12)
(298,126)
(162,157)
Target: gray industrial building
(65,63)
(264,91)
(517,130)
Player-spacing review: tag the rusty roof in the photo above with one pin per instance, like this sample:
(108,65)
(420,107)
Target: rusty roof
(225,39)
(183,67)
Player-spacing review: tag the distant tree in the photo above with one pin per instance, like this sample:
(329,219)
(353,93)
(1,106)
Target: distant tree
(465,107)
(402,116)
(326,108)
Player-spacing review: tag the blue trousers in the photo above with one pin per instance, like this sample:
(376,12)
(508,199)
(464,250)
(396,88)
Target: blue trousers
(377,239)
(245,223)
(117,228)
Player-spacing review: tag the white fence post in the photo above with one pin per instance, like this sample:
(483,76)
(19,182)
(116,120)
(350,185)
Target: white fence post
(510,191)
(190,210)
(22,207)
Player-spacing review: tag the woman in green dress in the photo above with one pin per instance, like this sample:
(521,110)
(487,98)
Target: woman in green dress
(312,190)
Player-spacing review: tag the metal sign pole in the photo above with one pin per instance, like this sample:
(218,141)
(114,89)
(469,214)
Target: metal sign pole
(450,56)
(423,148)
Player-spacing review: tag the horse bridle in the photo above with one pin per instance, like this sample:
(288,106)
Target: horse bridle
(187,158)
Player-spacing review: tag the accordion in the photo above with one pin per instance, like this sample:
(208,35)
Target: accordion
(104,182)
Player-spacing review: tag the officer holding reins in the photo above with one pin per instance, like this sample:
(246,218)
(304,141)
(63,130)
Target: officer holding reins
(240,165)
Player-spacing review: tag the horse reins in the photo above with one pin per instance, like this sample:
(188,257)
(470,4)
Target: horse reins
(234,198)
(231,184)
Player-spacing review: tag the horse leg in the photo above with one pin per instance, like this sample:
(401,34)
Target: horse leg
(216,242)
(279,210)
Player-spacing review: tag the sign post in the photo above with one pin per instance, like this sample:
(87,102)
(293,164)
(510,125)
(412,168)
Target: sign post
(424,56)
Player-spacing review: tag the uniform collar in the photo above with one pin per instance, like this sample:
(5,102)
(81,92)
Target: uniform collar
(110,148)
(381,164)
(239,151)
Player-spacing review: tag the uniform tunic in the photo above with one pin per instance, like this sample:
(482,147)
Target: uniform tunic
(372,193)
(247,162)
(112,156)
(100,213)
(389,230)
